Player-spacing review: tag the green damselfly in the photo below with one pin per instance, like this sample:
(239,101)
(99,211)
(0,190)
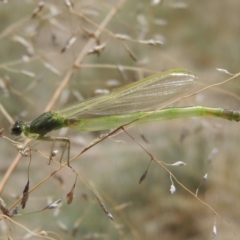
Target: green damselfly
(128,104)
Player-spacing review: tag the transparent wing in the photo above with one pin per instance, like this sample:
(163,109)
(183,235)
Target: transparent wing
(138,96)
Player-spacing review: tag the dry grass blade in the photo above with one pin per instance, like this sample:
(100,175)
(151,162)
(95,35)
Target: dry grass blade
(69,43)
(25,195)
(122,36)
(28,45)
(143,177)
(122,206)
(130,52)
(109,215)
(97,49)
(172,188)
(69,4)
(179,163)
(76,226)
(14,211)
(70,195)
(4,208)
(62,226)
(224,71)
(203,181)
(53,205)
(27,73)
(214,232)
(52,68)
(38,9)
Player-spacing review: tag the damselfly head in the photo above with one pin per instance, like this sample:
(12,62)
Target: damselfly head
(17,128)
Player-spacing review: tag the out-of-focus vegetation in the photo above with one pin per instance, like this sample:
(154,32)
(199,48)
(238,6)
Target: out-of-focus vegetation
(43,43)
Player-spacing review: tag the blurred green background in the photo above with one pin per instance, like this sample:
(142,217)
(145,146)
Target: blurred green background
(197,35)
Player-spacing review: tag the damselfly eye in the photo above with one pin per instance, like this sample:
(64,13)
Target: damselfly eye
(16,129)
